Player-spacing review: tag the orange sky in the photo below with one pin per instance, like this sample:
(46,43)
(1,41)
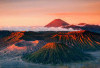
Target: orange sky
(41,12)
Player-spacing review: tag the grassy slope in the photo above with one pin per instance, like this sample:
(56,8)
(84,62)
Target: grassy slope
(56,53)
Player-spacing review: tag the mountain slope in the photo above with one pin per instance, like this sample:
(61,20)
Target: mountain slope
(57,23)
(11,39)
(56,53)
(4,33)
(84,40)
(92,28)
(83,26)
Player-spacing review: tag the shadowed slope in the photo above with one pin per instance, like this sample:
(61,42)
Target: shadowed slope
(4,33)
(56,53)
(83,26)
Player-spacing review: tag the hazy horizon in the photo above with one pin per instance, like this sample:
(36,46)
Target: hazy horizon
(42,12)
(42,25)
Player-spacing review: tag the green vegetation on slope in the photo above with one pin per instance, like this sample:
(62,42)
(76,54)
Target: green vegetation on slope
(56,53)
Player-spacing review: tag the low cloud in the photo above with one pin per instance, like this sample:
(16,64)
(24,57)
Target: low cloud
(36,29)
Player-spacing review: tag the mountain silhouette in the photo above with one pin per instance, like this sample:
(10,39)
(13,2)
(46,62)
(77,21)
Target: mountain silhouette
(56,53)
(82,24)
(57,23)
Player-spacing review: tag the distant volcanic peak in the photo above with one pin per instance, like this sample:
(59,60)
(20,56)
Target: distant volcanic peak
(58,20)
(57,23)
(82,24)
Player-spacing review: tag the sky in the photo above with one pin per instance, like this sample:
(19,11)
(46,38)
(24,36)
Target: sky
(42,12)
